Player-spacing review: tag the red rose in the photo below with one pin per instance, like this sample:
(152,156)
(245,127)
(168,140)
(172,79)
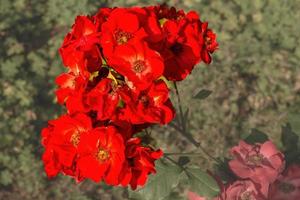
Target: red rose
(150,23)
(148,106)
(210,43)
(121,27)
(79,50)
(97,99)
(140,163)
(60,140)
(101,155)
(69,84)
(138,63)
(205,36)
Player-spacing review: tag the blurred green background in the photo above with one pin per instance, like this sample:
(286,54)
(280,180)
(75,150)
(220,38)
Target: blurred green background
(255,79)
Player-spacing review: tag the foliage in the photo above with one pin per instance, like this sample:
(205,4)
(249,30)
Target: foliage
(159,185)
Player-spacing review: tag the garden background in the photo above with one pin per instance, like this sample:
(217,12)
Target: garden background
(254,79)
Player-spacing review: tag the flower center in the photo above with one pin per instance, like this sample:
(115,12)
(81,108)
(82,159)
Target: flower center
(139,66)
(176,48)
(75,138)
(145,100)
(286,187)
(256,159)
(102,155)
(122,37)
(246,196)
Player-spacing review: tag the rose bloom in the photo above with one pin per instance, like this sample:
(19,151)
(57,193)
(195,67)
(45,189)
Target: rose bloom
(151,105)
(262,163)
(140,162)
(287,186)
(242,190)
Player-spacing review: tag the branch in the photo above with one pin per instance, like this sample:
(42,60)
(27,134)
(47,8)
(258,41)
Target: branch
(182,128)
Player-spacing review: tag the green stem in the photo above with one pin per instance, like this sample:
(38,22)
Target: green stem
(174,162)
(182,124)
(183,131)
(170,159)
(182,154)
(185,154)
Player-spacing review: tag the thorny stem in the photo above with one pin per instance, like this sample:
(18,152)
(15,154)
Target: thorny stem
(182,128)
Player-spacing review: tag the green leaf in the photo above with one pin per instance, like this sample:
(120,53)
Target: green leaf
(256,136)
(159,185)
(202,183)
(202,94)
(183,160)
(104,61)
(294,121)
(289,139)
(6,178)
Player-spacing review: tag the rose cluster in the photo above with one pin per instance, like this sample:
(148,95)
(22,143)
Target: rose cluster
(260,173)
(119,62)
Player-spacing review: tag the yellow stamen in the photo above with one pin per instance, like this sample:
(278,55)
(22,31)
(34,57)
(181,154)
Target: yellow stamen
(102,155)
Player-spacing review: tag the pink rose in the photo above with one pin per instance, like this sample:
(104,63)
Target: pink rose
(287,186)
(242,190)
(194,196)
(262,163)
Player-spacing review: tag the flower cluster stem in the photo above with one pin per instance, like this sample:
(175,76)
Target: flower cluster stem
(182,129)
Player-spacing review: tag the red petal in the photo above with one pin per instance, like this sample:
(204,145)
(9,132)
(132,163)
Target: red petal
(206,57)
(89,167)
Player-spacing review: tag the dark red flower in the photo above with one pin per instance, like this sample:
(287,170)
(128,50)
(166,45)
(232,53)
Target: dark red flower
(125,128)
(210,43)
(148,106)
(60,140)
(140,163)
(205,36)
(101,155)
(163,11)
(138,63)
(180,50)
